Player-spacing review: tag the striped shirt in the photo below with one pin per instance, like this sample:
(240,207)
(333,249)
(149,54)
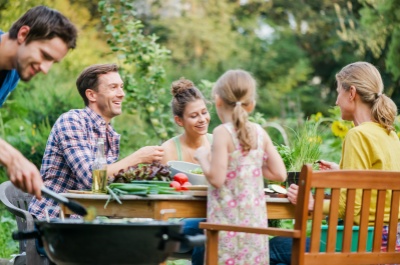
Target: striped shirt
(69,155)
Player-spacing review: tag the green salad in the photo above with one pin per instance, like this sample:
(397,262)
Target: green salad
(197,171)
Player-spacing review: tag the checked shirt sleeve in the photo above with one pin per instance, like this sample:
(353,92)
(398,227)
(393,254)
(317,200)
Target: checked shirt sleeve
(75,142)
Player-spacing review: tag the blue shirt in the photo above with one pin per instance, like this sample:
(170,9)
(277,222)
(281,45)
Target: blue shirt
(9,83)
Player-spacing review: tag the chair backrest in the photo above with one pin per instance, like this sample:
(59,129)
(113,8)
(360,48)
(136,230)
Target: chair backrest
(16,201)
(384,185)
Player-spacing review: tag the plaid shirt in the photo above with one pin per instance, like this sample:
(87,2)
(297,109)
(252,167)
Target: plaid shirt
(69,155)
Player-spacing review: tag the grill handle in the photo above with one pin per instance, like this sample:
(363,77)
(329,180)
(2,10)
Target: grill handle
(23,235)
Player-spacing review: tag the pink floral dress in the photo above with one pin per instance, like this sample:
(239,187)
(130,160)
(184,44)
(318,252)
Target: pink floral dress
(241,201)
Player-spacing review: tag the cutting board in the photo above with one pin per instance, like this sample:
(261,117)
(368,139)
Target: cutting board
(197,188)
(83,192)
(201,193)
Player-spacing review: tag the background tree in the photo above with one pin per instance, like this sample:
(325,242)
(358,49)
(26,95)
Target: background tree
(374,31)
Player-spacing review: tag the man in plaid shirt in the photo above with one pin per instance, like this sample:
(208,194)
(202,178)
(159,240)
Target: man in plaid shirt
(69,155)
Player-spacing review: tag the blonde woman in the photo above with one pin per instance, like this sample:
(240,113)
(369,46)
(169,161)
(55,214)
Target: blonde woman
(371,144)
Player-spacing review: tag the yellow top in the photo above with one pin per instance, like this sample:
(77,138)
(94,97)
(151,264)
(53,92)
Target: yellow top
(368,146)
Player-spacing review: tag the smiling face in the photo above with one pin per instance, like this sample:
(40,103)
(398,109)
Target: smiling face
(196,118)
(38,56)
(107,100)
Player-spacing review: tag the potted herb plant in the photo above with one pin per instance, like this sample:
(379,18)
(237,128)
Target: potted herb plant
(305,149)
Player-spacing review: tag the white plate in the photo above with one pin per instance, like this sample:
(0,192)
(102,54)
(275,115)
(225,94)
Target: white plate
(278,188)
(268,190)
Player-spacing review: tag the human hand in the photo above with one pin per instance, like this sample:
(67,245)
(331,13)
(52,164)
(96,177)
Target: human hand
(24,174)
(201,154)
(325,165)
(149,154)
(292,193)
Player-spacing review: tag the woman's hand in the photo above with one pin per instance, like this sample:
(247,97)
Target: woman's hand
(292,193)
(325,165)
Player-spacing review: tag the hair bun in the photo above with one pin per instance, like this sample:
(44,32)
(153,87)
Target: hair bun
(180,86)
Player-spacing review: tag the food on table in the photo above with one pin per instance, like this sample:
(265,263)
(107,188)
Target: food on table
(181,178)
(278,188)
(180,182)
(175,184)
(269,190)
(153,171)
(198,171)
(145,188)
(186,185)
(91,214)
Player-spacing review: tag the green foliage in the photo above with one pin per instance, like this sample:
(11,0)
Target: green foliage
(286,153)
(372,28)
(7,226)
(199,33)
(332,141)
(142,59)
(305,148)
(273,128)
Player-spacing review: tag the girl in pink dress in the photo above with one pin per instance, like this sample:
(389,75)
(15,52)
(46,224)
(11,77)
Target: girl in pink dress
(242,154)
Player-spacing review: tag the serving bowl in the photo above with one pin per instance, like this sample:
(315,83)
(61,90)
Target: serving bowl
(186,167)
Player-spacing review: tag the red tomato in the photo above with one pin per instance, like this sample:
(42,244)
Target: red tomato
(176,185)
(181,178)
(185,185)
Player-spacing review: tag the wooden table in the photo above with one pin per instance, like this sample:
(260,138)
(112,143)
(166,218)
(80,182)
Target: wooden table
(186,206)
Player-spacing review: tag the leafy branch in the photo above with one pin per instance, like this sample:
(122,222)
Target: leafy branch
(142,61)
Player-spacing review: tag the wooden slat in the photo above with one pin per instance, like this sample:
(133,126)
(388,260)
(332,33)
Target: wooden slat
(254,230)
(394,213)
(346,179)
(302,211)
(353,258)
(212,247)
(332,221)
(317,220)
(380,210)
(364,220)
(348,220)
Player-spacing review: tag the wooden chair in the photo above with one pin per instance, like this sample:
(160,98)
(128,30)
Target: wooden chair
(16,201)
(383,183)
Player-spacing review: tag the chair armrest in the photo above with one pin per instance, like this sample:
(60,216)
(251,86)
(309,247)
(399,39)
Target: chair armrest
(253,230)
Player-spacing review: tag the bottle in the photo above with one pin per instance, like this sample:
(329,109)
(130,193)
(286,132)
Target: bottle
(99,169)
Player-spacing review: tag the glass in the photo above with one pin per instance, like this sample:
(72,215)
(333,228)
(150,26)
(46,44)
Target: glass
(99,169)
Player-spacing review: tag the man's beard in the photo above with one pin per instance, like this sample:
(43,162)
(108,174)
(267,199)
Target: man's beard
(19,71)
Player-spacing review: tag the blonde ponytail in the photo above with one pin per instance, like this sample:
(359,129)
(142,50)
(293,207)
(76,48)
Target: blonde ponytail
(237,89)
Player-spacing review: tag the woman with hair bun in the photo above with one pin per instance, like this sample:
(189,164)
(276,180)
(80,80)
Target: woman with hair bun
(189,108)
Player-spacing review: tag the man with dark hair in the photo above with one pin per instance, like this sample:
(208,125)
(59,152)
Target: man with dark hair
(70,150)
(41,37)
